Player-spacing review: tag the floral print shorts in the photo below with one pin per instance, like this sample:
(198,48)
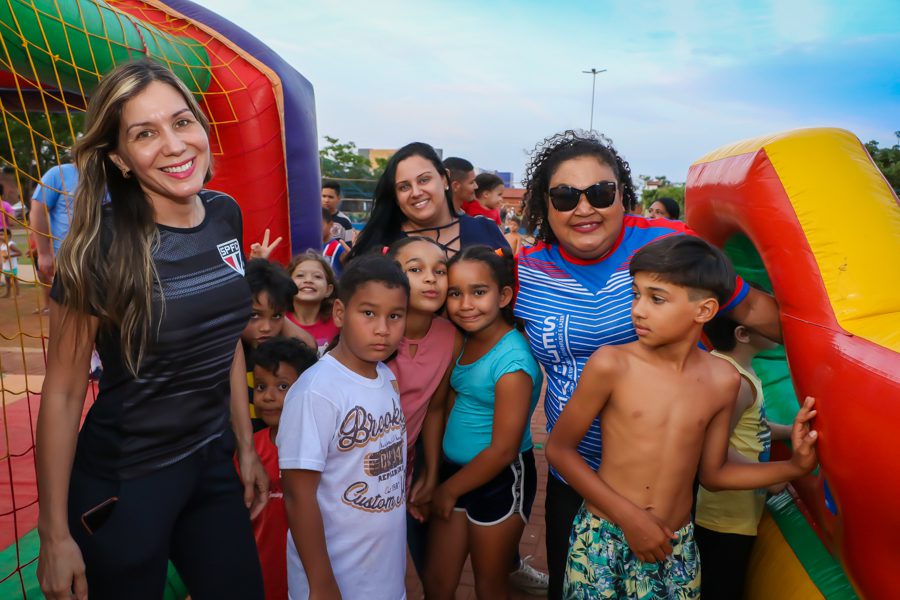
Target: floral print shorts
(601,565)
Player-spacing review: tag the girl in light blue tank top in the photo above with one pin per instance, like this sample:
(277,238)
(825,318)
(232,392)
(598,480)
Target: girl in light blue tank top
(488,478)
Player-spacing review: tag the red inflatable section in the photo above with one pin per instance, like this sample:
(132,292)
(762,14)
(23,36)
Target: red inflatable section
(247,137)
(840,325)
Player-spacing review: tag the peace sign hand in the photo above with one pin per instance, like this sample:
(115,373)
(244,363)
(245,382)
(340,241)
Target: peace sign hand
(264,249)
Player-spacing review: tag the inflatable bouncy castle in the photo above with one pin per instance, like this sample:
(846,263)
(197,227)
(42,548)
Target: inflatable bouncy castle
(265,154)
(56,52)
(808,215)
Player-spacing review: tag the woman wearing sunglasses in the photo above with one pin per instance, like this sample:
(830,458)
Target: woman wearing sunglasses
(575,289)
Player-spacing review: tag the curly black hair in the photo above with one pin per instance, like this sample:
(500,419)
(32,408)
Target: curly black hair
(546,158)
(276,350)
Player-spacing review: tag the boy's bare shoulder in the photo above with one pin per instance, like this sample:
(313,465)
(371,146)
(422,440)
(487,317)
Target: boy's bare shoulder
(609,360)
(721,374)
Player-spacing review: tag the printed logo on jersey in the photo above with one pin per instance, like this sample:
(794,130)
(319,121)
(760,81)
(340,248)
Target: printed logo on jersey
(230,252)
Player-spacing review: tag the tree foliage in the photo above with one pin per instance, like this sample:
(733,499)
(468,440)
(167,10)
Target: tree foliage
(32,142)
(888,160)
(340,160)
(666,188)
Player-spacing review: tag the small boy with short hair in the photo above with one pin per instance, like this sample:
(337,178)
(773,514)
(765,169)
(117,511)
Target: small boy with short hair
(725,522)
(341,226)
(279,362)
(665,409)
(514,222)
(488,198)
(342,448)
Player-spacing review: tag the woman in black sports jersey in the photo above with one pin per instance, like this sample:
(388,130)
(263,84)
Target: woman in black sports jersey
(154,278)
(411,198)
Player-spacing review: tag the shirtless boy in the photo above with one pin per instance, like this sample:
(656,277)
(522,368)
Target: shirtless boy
(665,410)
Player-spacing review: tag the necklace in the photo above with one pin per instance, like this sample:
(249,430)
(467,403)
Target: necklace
(437,237)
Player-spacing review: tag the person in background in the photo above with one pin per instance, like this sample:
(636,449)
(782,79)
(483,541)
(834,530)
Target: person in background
(9,216)
(335,250)
(279,363)
(637,209)
(488,198)
(514,237)
(10,254)
(411,198)
(462,181)
(272,291)
(52,206)
(341,226)
(726,521)
(664,208)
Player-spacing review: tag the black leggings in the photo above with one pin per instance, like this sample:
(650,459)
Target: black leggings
(724,558)
(561,506)
(192,512)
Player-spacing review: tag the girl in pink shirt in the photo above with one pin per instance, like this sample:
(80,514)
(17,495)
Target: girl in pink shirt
(422,366)
(316,291)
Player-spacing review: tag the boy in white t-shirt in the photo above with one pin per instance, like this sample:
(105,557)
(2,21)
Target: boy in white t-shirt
(342,449)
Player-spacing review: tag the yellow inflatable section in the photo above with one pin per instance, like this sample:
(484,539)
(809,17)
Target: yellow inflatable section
(825,225)
(775,570)
(827,173)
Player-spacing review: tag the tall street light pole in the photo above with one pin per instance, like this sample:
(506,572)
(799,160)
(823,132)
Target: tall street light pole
(593,73)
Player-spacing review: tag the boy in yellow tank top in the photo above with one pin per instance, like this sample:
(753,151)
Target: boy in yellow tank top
(726,521)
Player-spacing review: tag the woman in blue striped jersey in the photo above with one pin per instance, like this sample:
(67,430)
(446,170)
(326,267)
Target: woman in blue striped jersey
(574,288)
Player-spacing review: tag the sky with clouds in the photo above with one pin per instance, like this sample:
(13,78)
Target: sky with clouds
(487,80)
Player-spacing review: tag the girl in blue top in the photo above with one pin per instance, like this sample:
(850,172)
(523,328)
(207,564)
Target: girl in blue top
(488,477)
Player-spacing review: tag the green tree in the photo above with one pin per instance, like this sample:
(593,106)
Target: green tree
(32,142)
(888,161)
(340,160)
(380,166)
(666,188)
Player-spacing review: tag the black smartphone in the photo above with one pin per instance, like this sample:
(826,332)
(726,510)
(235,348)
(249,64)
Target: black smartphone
(94,518)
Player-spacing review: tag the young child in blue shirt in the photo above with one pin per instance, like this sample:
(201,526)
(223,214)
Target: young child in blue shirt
(488,476)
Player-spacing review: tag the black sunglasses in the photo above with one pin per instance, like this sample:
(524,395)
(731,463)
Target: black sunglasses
(600,195)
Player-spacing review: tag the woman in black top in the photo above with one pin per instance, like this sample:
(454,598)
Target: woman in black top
(155,279)
(412,198)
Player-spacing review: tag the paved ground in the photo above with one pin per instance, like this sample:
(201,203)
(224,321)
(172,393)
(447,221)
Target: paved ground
(532,540)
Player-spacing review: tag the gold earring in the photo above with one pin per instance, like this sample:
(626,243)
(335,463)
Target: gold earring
(126,173)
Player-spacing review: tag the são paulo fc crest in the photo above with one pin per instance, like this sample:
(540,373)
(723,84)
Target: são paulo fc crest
(230,252)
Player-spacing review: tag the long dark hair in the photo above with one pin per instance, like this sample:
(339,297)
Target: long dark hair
(386,219)
(547,157)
